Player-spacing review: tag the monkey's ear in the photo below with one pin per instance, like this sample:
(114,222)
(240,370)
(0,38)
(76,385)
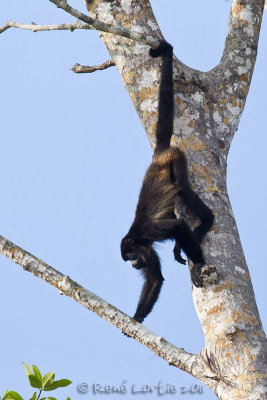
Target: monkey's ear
(145,253)
(143,258)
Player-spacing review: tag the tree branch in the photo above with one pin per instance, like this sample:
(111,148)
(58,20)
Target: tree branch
(232,76)
(236,66)
(36,28)
(103,27)
(243,30)
(191,363)
(81,69)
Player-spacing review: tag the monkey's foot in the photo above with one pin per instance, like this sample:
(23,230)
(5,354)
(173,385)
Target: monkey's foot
(177,255)
(209,274)
(196,275)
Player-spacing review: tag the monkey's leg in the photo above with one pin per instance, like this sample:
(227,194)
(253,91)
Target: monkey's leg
(186,240)
(193,201)
(180,231)
(200,209)
(151,287)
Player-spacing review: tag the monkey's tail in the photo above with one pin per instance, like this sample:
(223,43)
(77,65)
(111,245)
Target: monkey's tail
(164,128)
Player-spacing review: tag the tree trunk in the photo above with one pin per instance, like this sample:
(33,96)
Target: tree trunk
(208,107)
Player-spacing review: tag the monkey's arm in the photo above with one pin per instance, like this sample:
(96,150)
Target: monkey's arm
(150,293)
(151,288)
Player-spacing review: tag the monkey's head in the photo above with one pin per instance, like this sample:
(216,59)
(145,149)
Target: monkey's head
(136,251)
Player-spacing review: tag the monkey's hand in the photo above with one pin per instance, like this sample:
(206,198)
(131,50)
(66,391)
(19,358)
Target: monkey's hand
(196,275)
(177,255)
(138,319)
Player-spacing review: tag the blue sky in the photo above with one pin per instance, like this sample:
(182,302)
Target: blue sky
(73,154)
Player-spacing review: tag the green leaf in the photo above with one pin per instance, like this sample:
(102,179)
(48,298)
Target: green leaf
(51,398)
(43,398)
(48,379)
(28,371)
(6,396)
(34,382)
(68,398)
(34,396)
(37,373)
(14,395)
(57,384)
(63,382)
(53,386)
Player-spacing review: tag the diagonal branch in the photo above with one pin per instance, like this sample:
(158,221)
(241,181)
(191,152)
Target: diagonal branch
(103,27)
(37,28)
(83,69)
(179,358)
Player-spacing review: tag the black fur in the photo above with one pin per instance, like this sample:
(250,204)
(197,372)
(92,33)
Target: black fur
(155,220)
(165,111)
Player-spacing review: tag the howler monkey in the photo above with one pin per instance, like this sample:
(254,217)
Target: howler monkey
(155,219)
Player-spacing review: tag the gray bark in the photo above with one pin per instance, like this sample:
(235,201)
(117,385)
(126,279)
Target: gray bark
(208,107)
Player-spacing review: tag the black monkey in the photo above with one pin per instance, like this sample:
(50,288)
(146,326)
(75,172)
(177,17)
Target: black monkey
(155,220)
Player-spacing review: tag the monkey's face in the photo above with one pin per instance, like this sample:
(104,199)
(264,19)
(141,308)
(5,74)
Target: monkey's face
(135,252)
